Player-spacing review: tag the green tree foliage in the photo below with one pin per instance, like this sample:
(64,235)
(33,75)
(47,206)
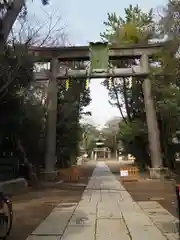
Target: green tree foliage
(70,110)
(21,118)
(88,137)
(10,10)
(15,75)
(23,108)
(136,27)
(170,22)
(110,132)
(23,115)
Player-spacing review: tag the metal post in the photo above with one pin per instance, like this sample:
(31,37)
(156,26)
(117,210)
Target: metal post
(50,158)
(153,131)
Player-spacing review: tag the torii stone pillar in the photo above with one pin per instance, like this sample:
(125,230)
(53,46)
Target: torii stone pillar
(153,131)
(50,157)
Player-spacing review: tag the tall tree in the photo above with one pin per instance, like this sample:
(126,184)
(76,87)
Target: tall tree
(126,93)
(70,109)
(170,20)
(9,11)
(136,27)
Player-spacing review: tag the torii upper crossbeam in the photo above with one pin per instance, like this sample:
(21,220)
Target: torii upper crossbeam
(44,54)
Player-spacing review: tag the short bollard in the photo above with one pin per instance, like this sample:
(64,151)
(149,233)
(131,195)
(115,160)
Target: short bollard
(178,204)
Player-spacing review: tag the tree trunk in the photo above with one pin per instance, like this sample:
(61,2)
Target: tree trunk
(8,20)
(126,99)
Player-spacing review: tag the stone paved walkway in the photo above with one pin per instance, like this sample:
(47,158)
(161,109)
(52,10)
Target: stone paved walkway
(107,211)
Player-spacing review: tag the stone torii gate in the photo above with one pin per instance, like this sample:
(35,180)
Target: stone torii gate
(84,53)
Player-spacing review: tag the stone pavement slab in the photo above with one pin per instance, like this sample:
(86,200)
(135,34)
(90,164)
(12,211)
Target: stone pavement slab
(161,218)
(107,211)
(31,237)
(112,229)
(86,209)
(79,233)
(141,227)
(172,236)
(112,211)
(82,219)
(56,222)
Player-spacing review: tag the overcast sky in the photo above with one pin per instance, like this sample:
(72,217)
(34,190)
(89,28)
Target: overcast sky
(83,21)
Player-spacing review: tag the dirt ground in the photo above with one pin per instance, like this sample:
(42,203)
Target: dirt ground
(32,207)
(149,190)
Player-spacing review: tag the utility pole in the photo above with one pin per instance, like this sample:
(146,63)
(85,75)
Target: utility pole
(50,157)
(152,124)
